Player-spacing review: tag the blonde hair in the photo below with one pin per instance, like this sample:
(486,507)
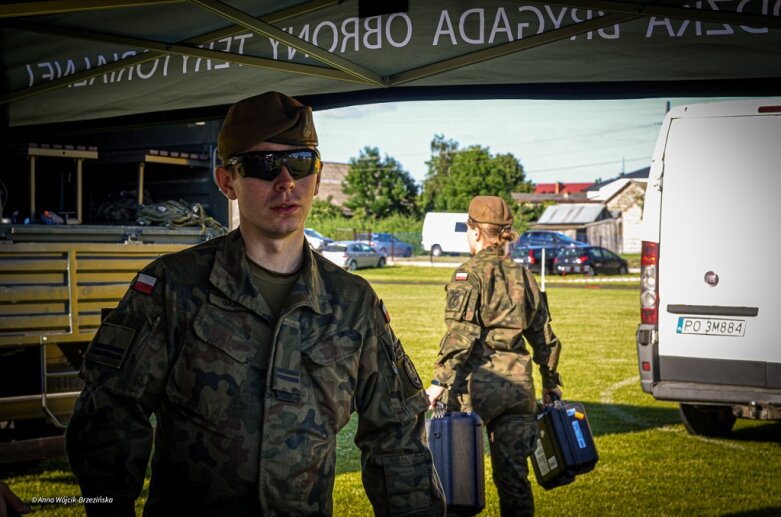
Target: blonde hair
(496,235)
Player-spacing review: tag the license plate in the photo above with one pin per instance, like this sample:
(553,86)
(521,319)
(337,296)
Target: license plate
(711,326)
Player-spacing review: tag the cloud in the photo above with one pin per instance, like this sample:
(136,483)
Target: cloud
(357,112)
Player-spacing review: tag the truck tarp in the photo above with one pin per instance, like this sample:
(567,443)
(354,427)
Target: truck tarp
(65,61)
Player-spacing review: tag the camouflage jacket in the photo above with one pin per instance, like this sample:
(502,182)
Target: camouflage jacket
(247,408)
(492,305)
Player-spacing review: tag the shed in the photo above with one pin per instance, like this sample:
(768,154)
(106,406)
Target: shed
(586,222)
(624,194)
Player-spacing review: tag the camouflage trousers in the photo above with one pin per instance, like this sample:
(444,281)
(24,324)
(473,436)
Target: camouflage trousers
(512,438)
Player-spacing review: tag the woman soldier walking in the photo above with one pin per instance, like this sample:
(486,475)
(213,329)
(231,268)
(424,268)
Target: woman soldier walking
(484,364)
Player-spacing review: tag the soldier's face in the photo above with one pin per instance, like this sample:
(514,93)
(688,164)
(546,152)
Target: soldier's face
(276,208)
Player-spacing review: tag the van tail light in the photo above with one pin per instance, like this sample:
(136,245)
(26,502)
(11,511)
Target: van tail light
(649,283)
(556,260)
(531,257)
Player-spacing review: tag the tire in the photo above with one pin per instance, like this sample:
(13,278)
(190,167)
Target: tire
(589,271)
(436,250)
(381,262)
(713,421)
(408,252)
(622,270)
(353,265)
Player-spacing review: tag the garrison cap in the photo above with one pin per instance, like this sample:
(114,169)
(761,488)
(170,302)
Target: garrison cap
(268,117)
(491,210)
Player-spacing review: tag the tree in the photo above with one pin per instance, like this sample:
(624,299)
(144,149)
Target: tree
(442,152)
(456,175)
(379,187)
(324,209)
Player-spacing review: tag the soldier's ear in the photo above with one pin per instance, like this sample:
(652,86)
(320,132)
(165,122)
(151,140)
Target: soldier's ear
(478,235)
(224,180)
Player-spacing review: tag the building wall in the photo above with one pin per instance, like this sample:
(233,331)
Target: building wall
(606,233)
(629,201)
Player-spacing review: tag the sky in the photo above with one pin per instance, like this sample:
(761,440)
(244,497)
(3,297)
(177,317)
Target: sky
(567,141)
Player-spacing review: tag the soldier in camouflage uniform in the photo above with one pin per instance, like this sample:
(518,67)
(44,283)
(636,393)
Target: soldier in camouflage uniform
(251,351)
(483,364)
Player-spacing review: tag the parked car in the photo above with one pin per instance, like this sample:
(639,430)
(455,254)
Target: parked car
(388,244)
(316,239)
(531,257)
(353,255)
(547,238)
(590,260)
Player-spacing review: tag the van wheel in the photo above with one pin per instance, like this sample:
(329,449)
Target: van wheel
(436,250)
(353,265)
(707,420)
(381,262)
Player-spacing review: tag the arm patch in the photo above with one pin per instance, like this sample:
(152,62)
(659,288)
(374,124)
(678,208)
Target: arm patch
(110,345)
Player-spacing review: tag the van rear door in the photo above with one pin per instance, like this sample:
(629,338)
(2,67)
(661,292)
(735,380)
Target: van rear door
(719,302)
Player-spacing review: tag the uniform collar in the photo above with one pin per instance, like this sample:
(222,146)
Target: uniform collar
(492,250)
(232,276)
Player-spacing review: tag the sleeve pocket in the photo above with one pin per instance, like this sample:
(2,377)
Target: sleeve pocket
(117,358)
(456,303)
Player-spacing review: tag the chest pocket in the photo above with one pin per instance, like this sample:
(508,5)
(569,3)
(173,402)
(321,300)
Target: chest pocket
(331,362)
(215,362)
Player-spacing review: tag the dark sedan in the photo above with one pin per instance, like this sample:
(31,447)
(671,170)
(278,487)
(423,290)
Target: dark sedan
(531,257)
(590,260)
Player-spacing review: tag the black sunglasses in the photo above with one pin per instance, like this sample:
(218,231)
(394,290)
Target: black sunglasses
(267,165)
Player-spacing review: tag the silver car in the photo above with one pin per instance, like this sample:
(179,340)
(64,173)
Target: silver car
(353,254)
(316,239)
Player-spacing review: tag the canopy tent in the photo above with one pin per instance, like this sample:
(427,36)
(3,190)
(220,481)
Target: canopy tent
(69,62)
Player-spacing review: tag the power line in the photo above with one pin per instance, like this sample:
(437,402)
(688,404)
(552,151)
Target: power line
(585,165)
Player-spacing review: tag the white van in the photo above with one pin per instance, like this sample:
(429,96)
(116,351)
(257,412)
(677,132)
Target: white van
(445,232)
(709,292)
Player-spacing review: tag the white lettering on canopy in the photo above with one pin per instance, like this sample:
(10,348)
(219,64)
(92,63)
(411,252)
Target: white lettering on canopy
(475,26)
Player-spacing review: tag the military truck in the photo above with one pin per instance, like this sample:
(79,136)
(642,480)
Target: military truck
(72,238)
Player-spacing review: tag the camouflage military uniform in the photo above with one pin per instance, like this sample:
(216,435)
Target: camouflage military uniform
(492,305)
(247,409)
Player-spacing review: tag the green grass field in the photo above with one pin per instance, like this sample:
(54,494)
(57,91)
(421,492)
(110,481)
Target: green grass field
(648,463)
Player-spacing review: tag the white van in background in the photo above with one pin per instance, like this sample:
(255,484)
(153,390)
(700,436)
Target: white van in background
(709,292)
(445,232)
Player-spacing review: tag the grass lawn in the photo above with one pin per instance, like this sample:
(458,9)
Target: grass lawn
(648,464)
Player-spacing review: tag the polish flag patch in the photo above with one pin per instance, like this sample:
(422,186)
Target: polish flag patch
(144,283)
(462,276)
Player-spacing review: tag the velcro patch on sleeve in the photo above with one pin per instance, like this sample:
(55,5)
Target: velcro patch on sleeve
(110,345)
(461,276)
(385,312)
(144,283)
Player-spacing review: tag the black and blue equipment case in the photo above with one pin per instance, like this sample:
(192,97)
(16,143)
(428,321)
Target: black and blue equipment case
(456,443)
(565,445)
